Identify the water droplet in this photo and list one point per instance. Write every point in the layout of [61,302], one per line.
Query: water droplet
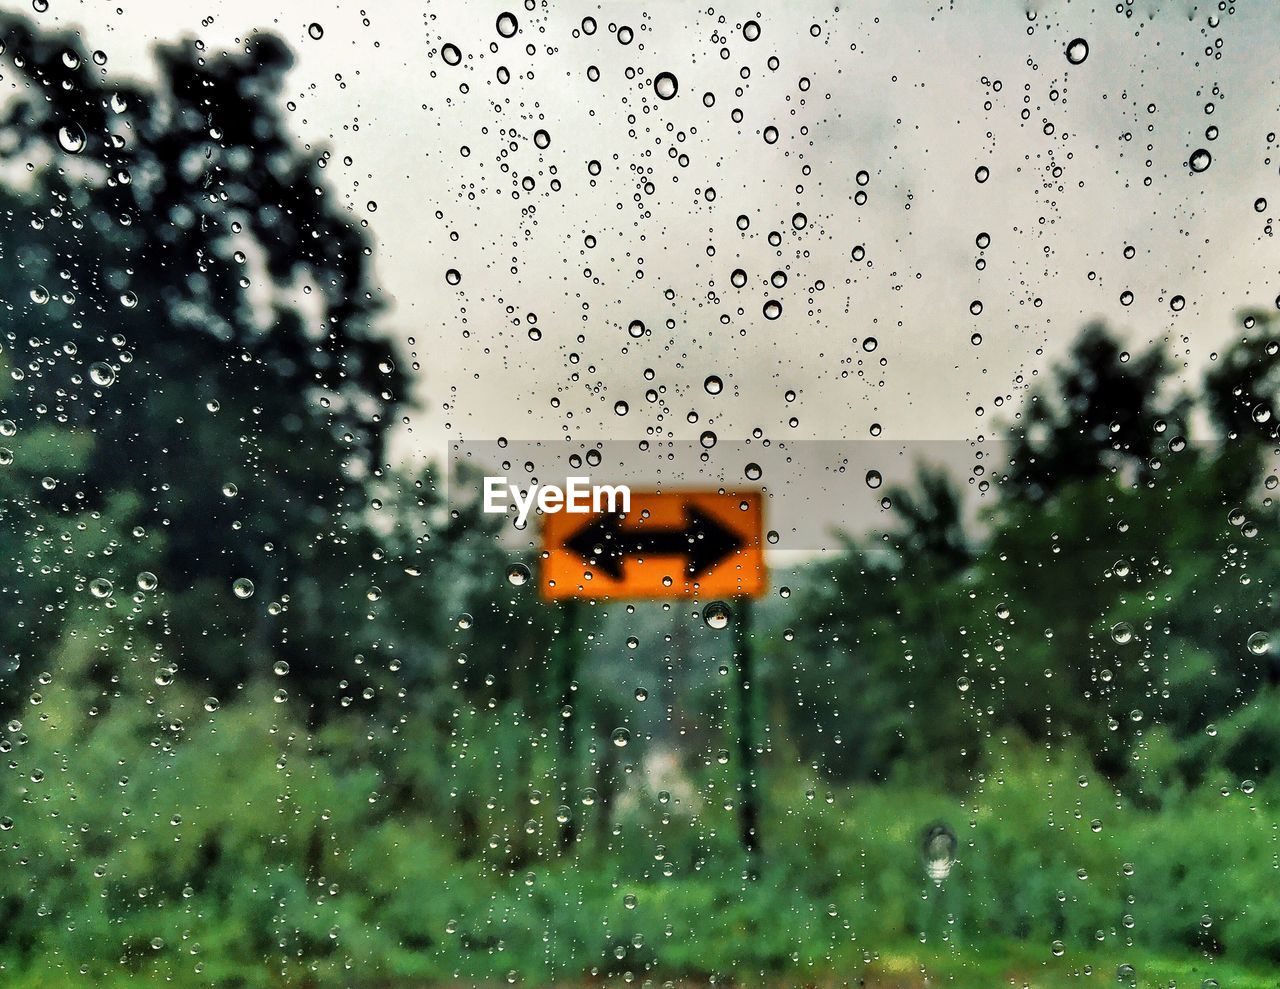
[518,574]
[939,850]
[717,614]
[621,737]
[713,385]
[451,54]
[147,581]
[1122,632]
[1077,51]
[1259,643]
[242,587]
[874,480]
[100,587]
[102,375]
[507,24]
[1200,160]
[211,704]
[71,138]
[751,30]
[772,309]
[315,30]
[666,85]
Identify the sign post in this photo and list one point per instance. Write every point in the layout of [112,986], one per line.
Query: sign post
[744,652]
[671,544]
[564,660]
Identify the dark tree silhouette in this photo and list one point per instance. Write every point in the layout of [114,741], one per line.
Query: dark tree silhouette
[931,537]
[1242,388]
[186,289]
[1099,416]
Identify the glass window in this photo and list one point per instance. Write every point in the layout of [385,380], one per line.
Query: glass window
[577,493]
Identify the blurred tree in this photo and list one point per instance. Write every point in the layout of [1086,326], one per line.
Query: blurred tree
[876,636]
[931,535]
[1241,391]
[1102,414]
[194,295]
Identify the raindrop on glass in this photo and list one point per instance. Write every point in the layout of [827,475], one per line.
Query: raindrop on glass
[507,24]
[938,849]
[71,138]
[716,615]
[665,85]
[1077,51]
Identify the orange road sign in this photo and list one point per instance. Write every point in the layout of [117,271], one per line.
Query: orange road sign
[671,544]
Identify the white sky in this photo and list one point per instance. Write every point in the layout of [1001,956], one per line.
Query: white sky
[906,91]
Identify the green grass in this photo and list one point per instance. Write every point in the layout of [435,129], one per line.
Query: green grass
[1019,965]
[999,963]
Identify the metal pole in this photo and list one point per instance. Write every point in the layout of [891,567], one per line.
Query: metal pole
[565,656]
[749,803]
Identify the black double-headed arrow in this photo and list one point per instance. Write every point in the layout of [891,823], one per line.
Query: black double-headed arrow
[604,544]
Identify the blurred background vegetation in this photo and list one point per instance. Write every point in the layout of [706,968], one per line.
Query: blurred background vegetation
[274,714]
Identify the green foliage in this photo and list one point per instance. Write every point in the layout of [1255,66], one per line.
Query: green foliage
[340,780]
[194,299]
[225,848]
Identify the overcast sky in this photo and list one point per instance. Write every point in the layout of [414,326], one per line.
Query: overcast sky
[1084,160]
